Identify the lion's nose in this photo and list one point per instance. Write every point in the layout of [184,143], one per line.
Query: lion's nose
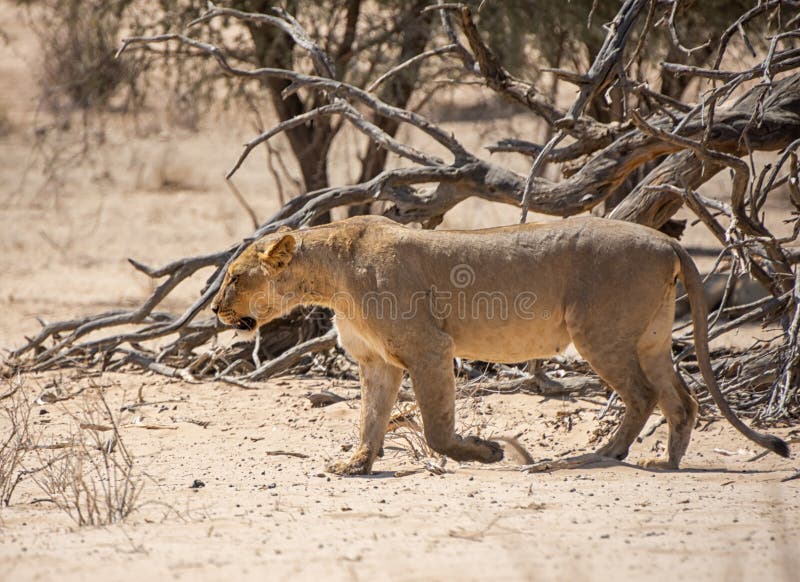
[215,309]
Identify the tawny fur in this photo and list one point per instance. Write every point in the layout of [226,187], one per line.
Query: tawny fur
[606,286]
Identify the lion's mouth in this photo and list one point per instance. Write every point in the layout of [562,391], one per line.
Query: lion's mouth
[246,324]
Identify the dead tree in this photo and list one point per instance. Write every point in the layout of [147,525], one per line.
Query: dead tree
[754,108]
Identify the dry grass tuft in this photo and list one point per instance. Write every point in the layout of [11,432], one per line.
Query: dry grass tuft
[406,432]
[92,477]
[16,411]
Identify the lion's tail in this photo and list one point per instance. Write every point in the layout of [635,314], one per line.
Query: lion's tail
[694,290]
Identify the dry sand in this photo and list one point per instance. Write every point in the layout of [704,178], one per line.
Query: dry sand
[159,195]
[278,517]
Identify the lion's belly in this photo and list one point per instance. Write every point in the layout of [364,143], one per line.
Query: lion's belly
[510,341]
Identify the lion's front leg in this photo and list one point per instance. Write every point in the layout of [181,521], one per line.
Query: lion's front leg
[379,385]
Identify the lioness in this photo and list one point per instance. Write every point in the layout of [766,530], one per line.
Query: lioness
[407,299]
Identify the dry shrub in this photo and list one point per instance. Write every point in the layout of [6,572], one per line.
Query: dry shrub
[406,432]
[78,40]
[93,478]
[15,438]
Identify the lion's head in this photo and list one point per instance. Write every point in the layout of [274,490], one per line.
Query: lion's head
[252,292]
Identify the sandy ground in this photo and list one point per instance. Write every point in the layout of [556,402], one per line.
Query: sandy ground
[158,195]
[281,517]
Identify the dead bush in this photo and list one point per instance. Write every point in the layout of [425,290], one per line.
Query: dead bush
[78,41]
[92,477]
[15,438]
[406,433]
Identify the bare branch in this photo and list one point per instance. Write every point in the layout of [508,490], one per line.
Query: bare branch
[495,76]
[608,59]
[743,19]
[299,80]
[290,357]
[283,20]
[674,33]
[434,52]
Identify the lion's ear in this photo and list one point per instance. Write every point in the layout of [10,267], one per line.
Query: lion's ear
[278,254]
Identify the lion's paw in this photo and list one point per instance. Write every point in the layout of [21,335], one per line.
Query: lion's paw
[358,464]
[487,451]
[657,463]
[345,468]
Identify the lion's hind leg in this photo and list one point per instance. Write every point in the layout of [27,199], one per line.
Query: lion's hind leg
[619,366]
[639,396]
[608,337]
[679,408]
